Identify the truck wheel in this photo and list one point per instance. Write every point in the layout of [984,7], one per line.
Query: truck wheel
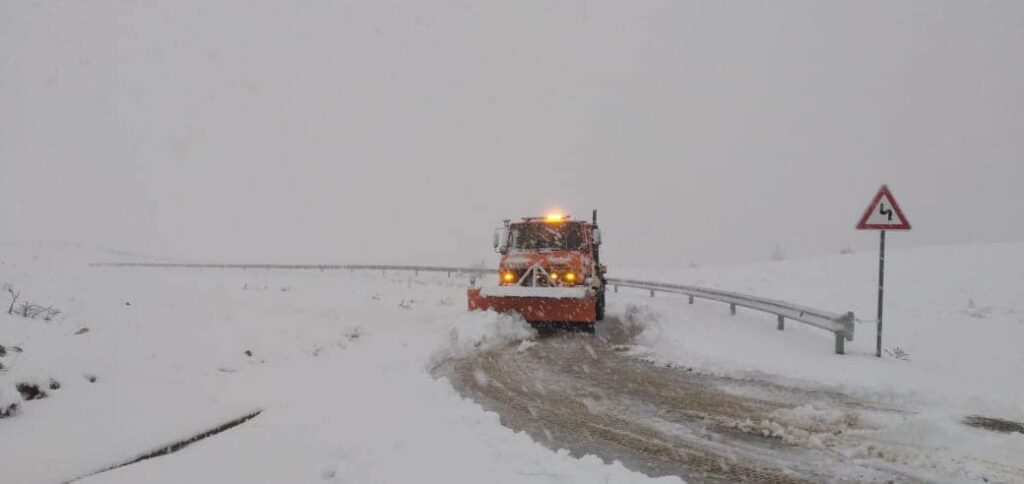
[599,310]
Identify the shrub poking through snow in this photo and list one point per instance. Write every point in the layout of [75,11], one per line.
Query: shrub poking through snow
[35,391]
[14,297]
[898,353]
[27,309]
[34,311]
[30,391]
[354,333]
[994,424]
[7,408]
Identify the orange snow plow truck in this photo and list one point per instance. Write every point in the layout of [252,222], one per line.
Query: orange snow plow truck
[550,272]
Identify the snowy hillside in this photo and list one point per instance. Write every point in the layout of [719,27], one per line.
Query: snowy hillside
[958,313]
[340,366]
[337,362]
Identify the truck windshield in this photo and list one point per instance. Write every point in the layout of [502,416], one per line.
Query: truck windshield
[536,236]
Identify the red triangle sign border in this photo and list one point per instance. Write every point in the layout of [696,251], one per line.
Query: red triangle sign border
[883,192]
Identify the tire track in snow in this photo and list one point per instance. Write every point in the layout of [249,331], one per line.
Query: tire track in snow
[577,392]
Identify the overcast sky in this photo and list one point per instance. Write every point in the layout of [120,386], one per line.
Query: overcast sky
[373,131]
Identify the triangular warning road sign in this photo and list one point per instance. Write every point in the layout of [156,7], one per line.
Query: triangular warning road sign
[883,213]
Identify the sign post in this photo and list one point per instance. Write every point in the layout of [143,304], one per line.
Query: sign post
[882,214]
[881,291]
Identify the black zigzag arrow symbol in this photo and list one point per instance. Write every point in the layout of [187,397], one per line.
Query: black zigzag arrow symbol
[884,211]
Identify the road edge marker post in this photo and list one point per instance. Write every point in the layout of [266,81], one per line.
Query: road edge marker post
[882,214]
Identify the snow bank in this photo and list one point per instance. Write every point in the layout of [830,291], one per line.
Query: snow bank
[338,362]
[958,313]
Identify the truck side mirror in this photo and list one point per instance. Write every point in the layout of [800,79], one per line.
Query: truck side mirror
[597,236]
[500,236]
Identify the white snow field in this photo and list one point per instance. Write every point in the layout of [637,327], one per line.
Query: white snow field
[339,363]
[957,311]
[340,367]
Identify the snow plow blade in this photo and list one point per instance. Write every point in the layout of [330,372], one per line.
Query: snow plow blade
[538,304]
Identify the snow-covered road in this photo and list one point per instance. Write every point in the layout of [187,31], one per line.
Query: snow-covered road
[587,394]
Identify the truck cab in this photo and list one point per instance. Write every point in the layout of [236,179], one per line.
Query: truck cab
[564,249]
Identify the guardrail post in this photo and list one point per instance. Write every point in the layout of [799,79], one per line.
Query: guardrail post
[691,298]
[383,272]
[840,344]
[449,274]
[652,292]
[782,323]
[732,309]
[415,272]
[616,289]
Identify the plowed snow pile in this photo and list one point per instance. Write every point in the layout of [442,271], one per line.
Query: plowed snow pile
[338,362]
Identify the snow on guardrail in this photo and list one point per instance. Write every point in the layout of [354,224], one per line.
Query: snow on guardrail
[322,267]
[840,324]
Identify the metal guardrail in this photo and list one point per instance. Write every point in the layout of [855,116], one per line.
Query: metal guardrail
[840,324]
[416,269]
